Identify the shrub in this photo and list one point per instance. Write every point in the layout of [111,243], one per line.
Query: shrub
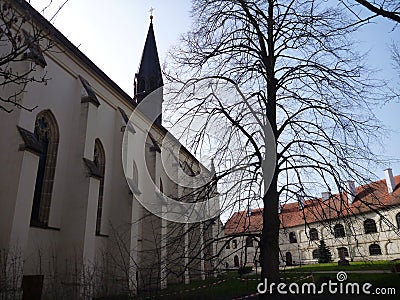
[324,254]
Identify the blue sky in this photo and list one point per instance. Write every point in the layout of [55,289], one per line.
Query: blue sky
[112,35]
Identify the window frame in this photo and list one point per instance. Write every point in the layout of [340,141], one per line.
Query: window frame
[339,231]
[398,220]
[345,250]
[234,244]
[292,237]
[314,236]
[249,242]
[46,132]
[99,159]
[370,226]
[374,247]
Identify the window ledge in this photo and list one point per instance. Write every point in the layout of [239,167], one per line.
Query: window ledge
[43,226]
[102,235]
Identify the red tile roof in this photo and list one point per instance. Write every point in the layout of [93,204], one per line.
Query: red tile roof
[369,197]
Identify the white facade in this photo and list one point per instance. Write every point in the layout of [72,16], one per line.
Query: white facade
[356,241]
[63,252]
[368,232]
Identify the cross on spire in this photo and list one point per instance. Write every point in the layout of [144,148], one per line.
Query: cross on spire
[151,13]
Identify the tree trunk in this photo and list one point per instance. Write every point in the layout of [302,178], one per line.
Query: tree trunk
[269,252]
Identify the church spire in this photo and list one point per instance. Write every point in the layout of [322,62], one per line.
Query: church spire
[149,77]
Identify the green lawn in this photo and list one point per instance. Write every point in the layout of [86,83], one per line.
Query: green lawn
[377,280]
[354,266]
[230,286]
[234,287]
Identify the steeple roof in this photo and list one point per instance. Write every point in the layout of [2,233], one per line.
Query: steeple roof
[149,79]
[149,68]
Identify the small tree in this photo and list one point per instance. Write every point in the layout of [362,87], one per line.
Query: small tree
[324,254]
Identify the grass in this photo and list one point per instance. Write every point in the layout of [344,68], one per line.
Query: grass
[233,287]
[377,280]
[354,266]
[230,288]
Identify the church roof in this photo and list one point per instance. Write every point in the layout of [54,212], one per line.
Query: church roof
[150,63]
[370,197]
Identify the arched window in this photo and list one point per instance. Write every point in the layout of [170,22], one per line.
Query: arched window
[398,220]
[343,252]
[315,254]
[370,226]
[236,261]
[99,159]
[375,249]
[338,231]
[289,261]
[46,131]
[313,234]
[292,237]
[249,241]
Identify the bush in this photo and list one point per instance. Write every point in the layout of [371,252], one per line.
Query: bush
[324,254]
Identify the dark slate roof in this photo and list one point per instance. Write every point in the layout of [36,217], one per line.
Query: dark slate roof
[150,63]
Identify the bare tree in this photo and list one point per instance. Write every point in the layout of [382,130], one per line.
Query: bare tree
[389,9]
[23,45]
[396,57]
[286,67]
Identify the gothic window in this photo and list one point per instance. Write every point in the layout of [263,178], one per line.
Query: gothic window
[343,252]
[315,254]
[99,160]
[292,237]
[338,231]
[370,226]
[249,241]
[228,245]
[375,249]
[398,220]
[46,131]
[313,234]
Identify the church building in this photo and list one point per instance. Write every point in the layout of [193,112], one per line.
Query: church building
[72,223]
